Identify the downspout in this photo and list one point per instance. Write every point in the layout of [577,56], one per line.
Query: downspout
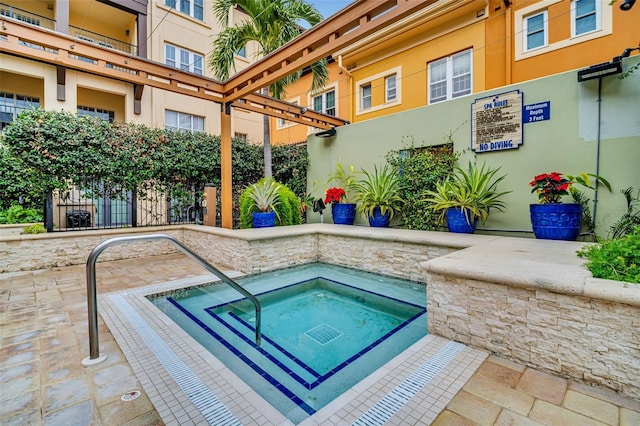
[349,88]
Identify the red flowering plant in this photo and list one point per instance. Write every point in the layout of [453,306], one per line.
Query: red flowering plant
[334,195]
[551,186]
[342,181]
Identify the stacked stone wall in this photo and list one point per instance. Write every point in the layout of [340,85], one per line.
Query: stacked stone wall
[584,338]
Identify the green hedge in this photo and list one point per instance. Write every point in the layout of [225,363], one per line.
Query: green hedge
[41,151]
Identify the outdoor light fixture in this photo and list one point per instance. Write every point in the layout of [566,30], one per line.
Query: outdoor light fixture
[303,110]
[600,70]
[627,4]
[327,133]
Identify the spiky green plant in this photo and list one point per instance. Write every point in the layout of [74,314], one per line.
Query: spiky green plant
[265,195]
[378,189]
[473,190]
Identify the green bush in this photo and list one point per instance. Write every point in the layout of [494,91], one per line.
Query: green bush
[36,228]
[420,169]
[287,210]
[19,214]
[615,259]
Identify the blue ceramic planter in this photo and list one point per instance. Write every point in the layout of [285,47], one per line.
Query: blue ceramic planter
[343,213]
[264,219]
[556,221]
[378,219]
[457,221]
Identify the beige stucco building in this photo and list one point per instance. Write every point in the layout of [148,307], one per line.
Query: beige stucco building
[179,36]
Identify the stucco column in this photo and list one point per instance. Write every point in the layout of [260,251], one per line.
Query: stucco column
[225,159]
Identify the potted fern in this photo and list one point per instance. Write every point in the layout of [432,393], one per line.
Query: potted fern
[377,195]
[467,197]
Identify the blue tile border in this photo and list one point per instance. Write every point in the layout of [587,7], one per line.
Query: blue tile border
[259,370]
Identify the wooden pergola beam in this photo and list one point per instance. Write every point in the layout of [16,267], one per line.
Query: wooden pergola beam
[357,21]
[69,53]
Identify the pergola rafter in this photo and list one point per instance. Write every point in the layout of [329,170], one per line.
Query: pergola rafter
[357,21]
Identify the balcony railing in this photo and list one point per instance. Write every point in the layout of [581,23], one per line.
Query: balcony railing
[102,40]
[9,11]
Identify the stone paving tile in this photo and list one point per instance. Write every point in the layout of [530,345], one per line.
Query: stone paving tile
[449,418]
[514,400]
[591,407]
[477,409]
[550,414]
[543,385]
[509,418]
[502,371]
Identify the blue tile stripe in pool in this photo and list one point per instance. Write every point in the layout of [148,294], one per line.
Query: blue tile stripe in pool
[392,402]
[293,397]
[308,385]
[214,411]
[320,378]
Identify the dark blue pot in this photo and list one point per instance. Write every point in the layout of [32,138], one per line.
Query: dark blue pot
[264,219]
[556,221]
[343,213]
[378,219]
[457,221]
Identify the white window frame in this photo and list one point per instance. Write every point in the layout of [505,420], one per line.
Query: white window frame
[188,7]
[366,98]
[605,28]
[449,77]
[323,100]
[574,17]
[177,60]
[526,33]
[380,80]
[390,89]
[180,117]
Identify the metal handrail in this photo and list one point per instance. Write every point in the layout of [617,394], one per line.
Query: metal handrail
[92,305]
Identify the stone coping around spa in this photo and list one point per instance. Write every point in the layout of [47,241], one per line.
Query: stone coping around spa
[535,264]
[436,238]
[446,239]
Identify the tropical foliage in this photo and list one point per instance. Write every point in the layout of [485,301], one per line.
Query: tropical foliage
[631,218]
[269,195]
[379,189]
[270,24]
[473,190]
[419,170]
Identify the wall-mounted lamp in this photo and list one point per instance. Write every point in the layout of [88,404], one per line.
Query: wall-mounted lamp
[627,4]
[303,110]
[606,68]
[327,133]
[600,70]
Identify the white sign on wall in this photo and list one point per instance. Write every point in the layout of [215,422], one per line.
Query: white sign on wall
[496,122]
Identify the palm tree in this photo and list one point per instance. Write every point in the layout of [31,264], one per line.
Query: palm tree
[271,24]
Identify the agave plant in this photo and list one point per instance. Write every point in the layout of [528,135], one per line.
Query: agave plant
[474,191]
[265,195]
[378,189]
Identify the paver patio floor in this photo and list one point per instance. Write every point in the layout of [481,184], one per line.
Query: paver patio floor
[44,337]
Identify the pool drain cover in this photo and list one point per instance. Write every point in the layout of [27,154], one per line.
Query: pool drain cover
[323,334]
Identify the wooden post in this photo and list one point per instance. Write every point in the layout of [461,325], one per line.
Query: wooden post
[225,159]
[210,206]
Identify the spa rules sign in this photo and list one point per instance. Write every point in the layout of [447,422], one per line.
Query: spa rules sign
[496,122]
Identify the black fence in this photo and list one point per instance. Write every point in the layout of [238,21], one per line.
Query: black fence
[103,206]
